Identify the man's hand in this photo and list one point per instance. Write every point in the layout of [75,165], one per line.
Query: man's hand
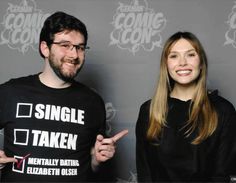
[4,159]
[104,148]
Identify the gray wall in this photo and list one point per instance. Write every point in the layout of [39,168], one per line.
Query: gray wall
[119,65]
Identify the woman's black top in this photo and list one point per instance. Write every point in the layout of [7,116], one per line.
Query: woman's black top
[173,158]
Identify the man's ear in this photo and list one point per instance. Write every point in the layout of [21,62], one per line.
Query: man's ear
[44,49]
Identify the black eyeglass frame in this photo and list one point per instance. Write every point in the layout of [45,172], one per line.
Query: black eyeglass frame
[78,47]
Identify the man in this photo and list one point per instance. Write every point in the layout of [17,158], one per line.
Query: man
[53,125]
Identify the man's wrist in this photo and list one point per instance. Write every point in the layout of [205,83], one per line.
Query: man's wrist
[94,163]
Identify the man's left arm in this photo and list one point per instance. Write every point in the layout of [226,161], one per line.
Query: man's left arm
[104,149]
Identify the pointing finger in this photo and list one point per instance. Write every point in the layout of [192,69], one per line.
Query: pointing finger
[119,135]
[8,160]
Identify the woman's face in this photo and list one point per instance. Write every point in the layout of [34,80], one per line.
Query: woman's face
[183,63]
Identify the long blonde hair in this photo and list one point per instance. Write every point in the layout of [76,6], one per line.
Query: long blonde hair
[202,115]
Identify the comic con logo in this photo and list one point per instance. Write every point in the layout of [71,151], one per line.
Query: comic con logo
[137,26]
[21,26]
[230,34]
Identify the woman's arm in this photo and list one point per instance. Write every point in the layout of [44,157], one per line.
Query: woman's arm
[143,169]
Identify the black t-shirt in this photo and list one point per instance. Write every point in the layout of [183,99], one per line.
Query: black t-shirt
[174,159]
[50,131]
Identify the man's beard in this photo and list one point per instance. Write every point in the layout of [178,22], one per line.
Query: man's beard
[58,70]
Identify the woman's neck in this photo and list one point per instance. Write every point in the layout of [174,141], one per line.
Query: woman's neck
[184,93]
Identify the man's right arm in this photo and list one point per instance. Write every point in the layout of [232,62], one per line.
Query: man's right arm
[4,159]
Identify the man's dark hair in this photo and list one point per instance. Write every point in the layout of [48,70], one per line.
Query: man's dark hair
[59,22]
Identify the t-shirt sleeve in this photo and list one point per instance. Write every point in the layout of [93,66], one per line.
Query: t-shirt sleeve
[2,105]
[102,116]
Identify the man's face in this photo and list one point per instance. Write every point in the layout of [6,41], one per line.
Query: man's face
[65,59]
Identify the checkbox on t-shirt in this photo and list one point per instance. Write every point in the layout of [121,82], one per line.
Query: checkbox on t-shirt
[20,165]
[24,110]
[21,136]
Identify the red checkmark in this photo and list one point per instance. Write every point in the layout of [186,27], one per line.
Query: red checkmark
[18,164]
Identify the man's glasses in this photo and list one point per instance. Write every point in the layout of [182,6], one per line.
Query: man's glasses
[66,45]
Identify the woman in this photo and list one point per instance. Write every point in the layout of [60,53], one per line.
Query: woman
[185,133]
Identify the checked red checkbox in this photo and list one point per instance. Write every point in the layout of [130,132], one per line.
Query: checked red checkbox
[19,163]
